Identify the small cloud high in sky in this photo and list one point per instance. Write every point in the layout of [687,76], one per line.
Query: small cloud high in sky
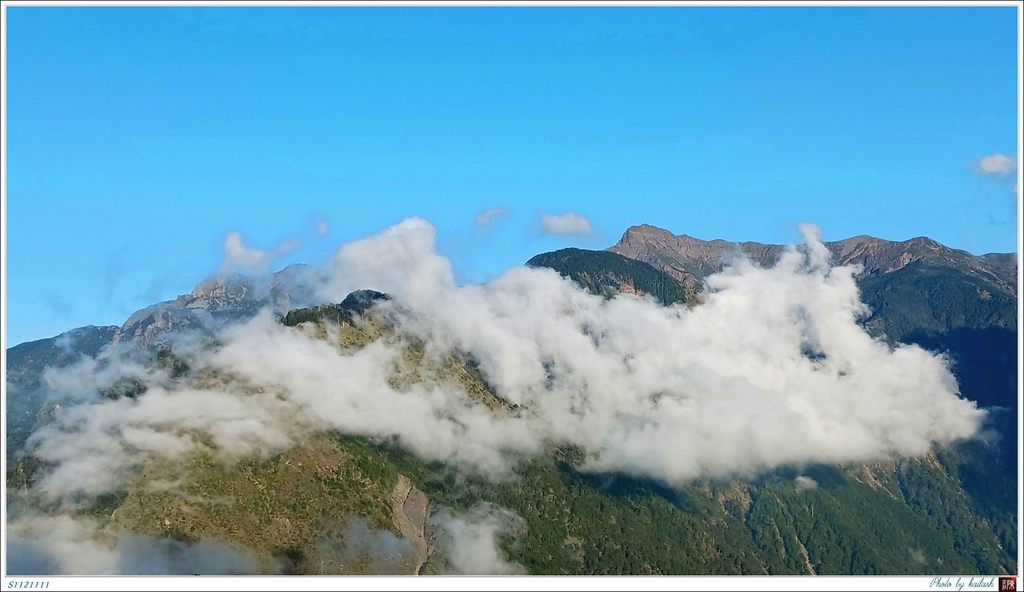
[995,164]
[241,258]
[187,123]
[567,224]
[487,216]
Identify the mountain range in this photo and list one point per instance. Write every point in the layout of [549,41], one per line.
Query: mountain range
[340,499]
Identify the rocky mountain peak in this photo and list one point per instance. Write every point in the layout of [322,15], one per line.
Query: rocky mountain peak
[221,285]
[220,292]
[218,299]
[690,259]
[645,234]
[645,231]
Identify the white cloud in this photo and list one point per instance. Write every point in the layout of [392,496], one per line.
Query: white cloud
[487,216]
[321,226]
[995,164]
[380,552]
[401,261]
[804,483]
[96,447]
[287,246]
[569,223]
[470,541]
[239,257]
[725,386]
[62,545]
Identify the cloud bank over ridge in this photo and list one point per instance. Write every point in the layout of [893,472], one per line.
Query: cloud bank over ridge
[772,370]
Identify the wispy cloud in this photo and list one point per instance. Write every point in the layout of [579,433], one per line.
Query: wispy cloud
[470,541]
[569,223]
[995,164]
[239,257]
[487,216]
[45,544]
[60,307]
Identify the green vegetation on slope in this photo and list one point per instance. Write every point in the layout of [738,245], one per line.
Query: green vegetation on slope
[922,299]
[577,523]
[909,517]
[606,274]
[278,508]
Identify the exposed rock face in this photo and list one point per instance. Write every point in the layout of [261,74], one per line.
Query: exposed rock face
[410,510]
[218,300]
[690,259]
[685,258]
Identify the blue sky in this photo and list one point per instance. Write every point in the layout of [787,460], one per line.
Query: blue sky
[138,138]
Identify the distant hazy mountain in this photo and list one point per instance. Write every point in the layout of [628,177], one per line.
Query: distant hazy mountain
[336,503]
